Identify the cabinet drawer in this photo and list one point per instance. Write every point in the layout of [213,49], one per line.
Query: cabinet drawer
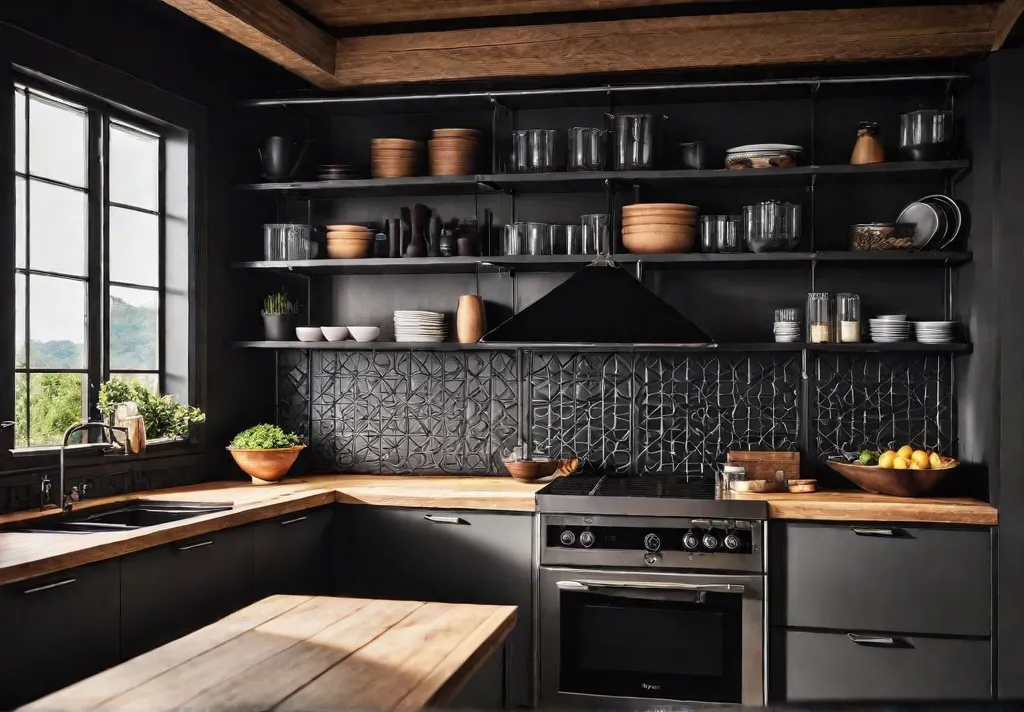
[831,666]
[172,590]
[57,630]
[291,553]
[886,578]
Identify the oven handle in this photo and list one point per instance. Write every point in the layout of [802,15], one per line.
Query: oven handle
[690,592]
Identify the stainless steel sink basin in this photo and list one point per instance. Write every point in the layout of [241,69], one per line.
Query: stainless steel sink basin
[126,517]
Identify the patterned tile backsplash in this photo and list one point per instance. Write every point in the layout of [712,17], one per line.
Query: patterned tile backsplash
[645,412]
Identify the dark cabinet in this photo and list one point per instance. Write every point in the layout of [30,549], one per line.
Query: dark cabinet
[291,553]
[171,590]
[57,630]
[453,556]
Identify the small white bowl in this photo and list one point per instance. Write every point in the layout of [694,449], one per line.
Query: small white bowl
[364,333]
[335,333]
[309,333]
[892,317]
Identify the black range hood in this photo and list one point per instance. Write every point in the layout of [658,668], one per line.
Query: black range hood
[600,304]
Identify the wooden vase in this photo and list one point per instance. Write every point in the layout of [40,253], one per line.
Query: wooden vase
[471,321]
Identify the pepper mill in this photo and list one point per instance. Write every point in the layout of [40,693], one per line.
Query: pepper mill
[868,148]
[470,321]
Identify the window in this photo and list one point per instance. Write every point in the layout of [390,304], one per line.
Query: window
[88,259]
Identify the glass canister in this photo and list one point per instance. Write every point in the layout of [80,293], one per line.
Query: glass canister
[595,233]
[538,238]
[819,318]
[847,329]
[513,239]
[587,149]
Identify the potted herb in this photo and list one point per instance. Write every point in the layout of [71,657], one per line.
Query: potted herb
[265,452]
[162,416]
[279,317]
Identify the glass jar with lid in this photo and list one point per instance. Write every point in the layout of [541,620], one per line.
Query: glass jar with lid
[819,318]
[847,329]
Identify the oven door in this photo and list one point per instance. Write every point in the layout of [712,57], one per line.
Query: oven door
[640,637]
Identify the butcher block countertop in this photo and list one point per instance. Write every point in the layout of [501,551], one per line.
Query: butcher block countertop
[24,556]
[305,653]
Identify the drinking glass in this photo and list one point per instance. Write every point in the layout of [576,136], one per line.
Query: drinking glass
[538,238]
[595,233]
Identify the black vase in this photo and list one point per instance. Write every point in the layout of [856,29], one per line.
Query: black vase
[279,327]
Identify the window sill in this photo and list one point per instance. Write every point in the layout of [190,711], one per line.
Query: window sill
[98,448]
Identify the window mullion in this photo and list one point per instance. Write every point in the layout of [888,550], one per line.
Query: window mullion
[161,363]
[97,252]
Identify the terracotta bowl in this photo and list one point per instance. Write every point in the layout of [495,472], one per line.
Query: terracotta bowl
[266,466]
[349,249]
[657,243]
[531,470]
[898,483]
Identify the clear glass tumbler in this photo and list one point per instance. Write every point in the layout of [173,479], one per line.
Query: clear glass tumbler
[538,238]
[819,318]
[847,328]
[595,233]
[513,239]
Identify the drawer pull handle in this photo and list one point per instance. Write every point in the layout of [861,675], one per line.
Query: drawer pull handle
[880,641]
[286,522]
[47,587]
[439,519]
[877,531]
[197,545]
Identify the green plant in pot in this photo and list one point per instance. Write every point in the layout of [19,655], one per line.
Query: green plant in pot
[265,452]
[162,415]
[279,315]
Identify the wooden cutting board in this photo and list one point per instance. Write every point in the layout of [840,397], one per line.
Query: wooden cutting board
[763,464]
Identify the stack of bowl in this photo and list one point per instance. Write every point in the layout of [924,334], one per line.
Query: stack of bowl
[393,157]
[658,228]
[453,151]
[345,242]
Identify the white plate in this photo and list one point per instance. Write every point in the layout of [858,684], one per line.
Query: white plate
[419,339]
[936,324]
[751,148]
[886,340]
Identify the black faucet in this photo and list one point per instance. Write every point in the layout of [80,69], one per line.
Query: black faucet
[68,500]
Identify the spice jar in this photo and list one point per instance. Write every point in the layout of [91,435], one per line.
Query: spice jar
[819,317]
[847,318]
[867,149]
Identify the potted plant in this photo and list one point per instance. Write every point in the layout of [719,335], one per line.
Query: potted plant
[279,317]
[265,452]
[162,416]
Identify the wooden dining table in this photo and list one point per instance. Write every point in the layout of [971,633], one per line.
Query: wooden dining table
[305,653]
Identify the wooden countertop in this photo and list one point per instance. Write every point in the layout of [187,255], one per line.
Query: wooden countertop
[305,653]
[24,556]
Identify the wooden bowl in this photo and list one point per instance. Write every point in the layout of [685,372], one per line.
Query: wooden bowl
[658,227]
[531,470]
[347,228]
[266,466]
[664,218]
[754,486]
[400,143]
[657,243]
[644,207]
[473,134]
[349,249]
[898,483]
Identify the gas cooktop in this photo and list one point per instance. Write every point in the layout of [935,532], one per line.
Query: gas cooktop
[647,495]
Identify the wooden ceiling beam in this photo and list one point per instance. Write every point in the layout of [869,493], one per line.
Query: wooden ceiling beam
[274,31]
[356,13]
[1009,12]
[690,42]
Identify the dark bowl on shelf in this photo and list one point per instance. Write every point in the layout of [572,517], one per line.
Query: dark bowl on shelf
[926,135]
[898,483]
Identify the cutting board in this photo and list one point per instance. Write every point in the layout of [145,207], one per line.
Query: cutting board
[763,464]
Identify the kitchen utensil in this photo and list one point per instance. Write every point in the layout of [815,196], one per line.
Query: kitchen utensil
[364,333]
[538,238]
[309,333]
[266,466]
[694,155]
[771,226]
[926,135]
[954,220]
[882,236]
[891,317]
[888,331]
[595,229]
[929,222]
[434,236]
[867,149]
[470,319]
[763,155]
[847,329]
[819,317]
[764,464]
[635,140]
[453,151]
[754,486]
[802,486]
[935,332]
[533,150]
[787,327]
[349,248]
[531,470]
[287,241]
[513,239]
[467,246]
[394,157]
[417,246]
[721,233]
[658,243]
[279,159]
[574,241]
[520,151]
[335,333]
[394,237]
[898,483]
[448,244]
[588,149]
[419,326]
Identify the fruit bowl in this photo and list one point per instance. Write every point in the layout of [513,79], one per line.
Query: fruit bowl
[898,483]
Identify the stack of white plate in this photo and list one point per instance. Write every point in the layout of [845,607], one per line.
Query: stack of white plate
[935,332]
[889,330]
[787,332]
[415,326]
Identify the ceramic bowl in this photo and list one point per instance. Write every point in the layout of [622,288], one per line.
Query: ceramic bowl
[335,333]
[364,333]
[309,333]
[892,317]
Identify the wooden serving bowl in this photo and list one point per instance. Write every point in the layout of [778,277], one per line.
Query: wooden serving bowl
[898,483]
[399,143]
[457,133]
[266,466]
[344,249]
[666,219]
[657,243]
[658,227]
[532,470]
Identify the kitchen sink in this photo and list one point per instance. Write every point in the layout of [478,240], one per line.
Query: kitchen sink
[134,515]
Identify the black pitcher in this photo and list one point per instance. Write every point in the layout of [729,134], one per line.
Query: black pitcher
[277,157]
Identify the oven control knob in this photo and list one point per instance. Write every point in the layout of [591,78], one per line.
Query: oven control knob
[652,542]
[731,542]
[690,541]
[710,541]
[587,539]
[567,538]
